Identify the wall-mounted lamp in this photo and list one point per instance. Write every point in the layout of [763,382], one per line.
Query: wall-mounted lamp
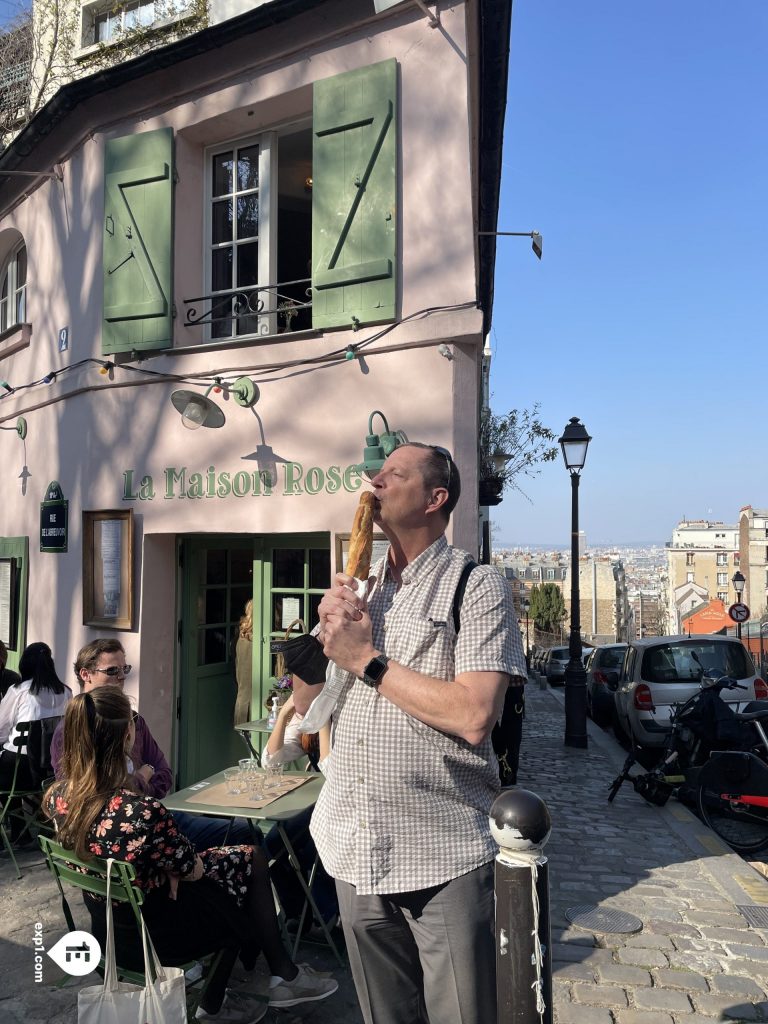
[537,242]
[20,428]
[379,446]
[201,411]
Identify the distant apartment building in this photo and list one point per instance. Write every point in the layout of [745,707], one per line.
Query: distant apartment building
[605,612]
[753,549]
[648,614]
[701,560]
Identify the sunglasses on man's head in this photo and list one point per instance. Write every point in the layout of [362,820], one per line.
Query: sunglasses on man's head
[448,458]
[115,671]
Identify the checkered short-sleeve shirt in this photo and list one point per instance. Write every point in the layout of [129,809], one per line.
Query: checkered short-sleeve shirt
[405,806]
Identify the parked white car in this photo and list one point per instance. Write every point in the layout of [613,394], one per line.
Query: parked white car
[661,671]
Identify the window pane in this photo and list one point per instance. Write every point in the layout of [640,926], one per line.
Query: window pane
[314,615]
[216,566]
[319,569]
[248,168]
[247,264]
[3,314]
[288,567]
[215,605]
[213,646]
[147,13]
[221,221]
[21,306]
[131,16]
[240,597]
[221,270]
[222,174]
[242,566]
[247,216]
[21,267]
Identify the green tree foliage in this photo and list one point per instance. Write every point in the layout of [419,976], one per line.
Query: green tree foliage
[547,607]
[521,438]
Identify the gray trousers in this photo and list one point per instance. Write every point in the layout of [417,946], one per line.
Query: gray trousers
[424,957]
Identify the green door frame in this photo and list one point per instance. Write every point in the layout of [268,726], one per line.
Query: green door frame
[270,601]
[285,567]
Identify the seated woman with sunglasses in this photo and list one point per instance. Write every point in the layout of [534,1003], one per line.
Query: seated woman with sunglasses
[230,905]
[102,662]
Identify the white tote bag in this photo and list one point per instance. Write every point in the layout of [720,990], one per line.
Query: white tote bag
[117,1002]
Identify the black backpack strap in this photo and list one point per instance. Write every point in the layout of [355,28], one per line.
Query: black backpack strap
[458,597]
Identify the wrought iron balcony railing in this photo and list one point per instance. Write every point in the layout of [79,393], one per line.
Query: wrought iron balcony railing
[261,310]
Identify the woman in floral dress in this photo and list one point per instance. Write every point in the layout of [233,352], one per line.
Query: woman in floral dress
[230,907]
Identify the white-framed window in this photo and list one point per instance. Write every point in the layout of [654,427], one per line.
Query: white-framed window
[105,23]
[689,558]
[722,595]
[112,23]
[13,290]
[689,577]
[258,225]
[536,574]
[722,579]
[722,559]
[550,574]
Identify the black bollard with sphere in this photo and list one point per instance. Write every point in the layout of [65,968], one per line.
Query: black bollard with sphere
[521,825]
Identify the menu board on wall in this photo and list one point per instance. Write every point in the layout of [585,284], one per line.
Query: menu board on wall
[8,602]
[108,568]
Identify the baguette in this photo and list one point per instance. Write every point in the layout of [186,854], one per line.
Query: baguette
[361,539]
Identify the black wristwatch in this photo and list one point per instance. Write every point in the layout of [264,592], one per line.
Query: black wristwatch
[375,669]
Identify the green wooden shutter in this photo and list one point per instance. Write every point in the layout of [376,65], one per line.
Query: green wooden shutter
[138,242]
[354,197]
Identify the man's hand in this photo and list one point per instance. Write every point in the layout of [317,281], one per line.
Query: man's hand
[346,626]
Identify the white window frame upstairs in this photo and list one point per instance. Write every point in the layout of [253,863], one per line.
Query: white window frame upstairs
[266,237]
[13,303]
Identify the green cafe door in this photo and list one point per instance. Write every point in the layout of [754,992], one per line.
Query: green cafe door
[285,575]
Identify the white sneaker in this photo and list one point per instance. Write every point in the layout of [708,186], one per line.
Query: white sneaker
[308,986]
[235,1009]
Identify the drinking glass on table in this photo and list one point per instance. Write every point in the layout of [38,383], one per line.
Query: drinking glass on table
[233,779]
[274,776]
[256,784]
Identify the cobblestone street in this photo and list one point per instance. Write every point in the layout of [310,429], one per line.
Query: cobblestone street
[696,958]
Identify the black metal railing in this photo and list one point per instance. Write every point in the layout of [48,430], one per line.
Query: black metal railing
[263,309]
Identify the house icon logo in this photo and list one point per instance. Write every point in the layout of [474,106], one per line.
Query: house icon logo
[76,953]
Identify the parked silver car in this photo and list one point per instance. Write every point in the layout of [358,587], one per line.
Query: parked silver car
[601,660]
[554,666]
[664,670]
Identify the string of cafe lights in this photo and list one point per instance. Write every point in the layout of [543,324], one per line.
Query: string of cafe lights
[269,373]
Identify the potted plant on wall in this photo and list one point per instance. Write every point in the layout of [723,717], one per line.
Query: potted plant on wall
[509,445]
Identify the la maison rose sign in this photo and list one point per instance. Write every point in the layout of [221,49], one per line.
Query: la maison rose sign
[287,478]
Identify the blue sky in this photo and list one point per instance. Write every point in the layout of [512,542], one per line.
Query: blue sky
[636,141]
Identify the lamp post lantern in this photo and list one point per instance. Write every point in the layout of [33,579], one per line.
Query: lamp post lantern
[574,444]
[738,580]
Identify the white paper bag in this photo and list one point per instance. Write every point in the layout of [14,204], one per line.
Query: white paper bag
[160,1002]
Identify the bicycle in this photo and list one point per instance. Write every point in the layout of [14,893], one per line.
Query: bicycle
[732,797]
[696,726]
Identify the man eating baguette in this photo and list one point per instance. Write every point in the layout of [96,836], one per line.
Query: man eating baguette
[402,822]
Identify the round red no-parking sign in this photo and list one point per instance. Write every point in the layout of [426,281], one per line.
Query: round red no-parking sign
[739,612]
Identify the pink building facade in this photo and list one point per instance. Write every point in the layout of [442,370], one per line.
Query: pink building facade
[280,215]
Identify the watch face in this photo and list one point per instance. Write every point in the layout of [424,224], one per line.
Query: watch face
[375,669]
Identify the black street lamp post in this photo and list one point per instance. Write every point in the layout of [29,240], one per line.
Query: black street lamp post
[526,608]
[738,580]
[574,443]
